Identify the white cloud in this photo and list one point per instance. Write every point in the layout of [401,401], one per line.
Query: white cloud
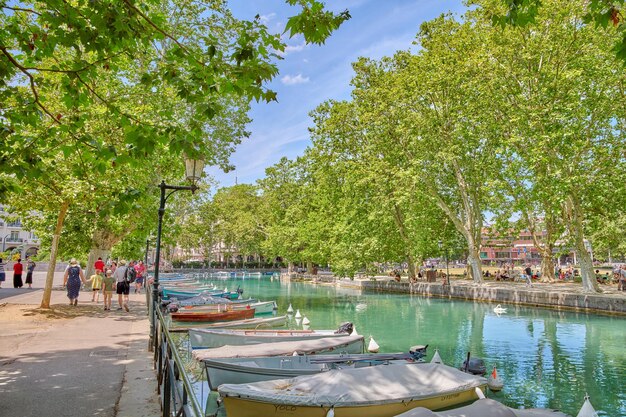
[294,79]
[295,48]
[266,18]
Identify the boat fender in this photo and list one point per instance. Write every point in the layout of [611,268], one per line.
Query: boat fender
[306,321]
[587,409]
[479,393]
[298,315]
[354,333]
[295,353]
[373,346]
[494,382]
[331,412]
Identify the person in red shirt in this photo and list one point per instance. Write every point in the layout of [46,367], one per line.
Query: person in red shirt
[17,274]
[99,265]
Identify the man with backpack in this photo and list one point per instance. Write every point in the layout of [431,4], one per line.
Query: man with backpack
[122,282]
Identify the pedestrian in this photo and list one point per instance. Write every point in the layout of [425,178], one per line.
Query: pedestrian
[122,285]
[17,274]
[108,288]
[2,273]
[621,284]
[99,264]
[529,276]
[140,268]
[113,267]
[73,279]
[96,285]
[30,268]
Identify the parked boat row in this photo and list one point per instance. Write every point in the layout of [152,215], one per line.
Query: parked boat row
[324,373]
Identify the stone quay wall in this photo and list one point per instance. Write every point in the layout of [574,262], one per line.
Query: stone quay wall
[546,295]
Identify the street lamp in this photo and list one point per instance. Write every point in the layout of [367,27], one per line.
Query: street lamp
[193,172]
[447,280]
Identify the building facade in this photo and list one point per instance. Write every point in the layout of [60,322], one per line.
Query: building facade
[14,238]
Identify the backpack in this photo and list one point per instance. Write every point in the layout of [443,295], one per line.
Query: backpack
[130,274]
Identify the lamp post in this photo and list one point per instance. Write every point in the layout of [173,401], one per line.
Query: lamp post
[447,280]
[193,172]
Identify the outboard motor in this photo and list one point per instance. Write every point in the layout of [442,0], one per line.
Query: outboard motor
[418,352]
[346,327]
[172,308]
[239,290]
[476,366]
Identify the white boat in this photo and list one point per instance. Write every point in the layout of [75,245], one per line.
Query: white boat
[376,391]
[246,370]
[346,344]
[255,323]
[484,408]
[212,338]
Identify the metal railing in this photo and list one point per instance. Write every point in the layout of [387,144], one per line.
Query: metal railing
[173,384]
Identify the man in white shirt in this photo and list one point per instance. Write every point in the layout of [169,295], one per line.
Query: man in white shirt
[122,286]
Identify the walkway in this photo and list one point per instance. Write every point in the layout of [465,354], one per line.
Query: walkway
[74,361]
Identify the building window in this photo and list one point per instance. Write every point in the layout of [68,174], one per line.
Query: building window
[503,255]
[16,223]
[483,255]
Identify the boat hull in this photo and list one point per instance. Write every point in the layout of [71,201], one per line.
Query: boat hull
[214,316]
[208,338]
[253,323]
[347,345]
[241,407]
[263,307]
[248,370]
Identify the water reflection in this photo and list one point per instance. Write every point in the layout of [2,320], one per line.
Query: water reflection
[545,358]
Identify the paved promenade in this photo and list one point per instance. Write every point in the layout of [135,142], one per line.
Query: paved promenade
[73,361]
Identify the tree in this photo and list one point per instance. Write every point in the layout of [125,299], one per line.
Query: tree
[157,73]
[564,132]
[601,13]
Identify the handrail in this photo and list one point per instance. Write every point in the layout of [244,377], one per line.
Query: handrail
[172,381]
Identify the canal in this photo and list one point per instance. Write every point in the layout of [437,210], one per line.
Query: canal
[546,358]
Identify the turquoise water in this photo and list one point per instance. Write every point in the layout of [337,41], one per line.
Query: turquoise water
[546,358]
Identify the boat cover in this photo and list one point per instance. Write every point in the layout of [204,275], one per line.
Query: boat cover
[359,386]
[483,408]
[281,348]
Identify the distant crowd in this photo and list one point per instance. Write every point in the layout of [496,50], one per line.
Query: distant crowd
[109,278]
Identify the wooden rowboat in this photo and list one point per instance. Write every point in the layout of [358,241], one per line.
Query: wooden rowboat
[209,316]
[254,323]
[261,307]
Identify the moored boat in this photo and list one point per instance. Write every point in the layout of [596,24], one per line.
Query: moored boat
[213,316]
[346,344]
[377,391]
[261,307]
[484,408]
[246,370]
[253,323]
[212,338]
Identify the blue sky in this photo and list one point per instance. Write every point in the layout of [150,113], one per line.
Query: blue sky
[311,74]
